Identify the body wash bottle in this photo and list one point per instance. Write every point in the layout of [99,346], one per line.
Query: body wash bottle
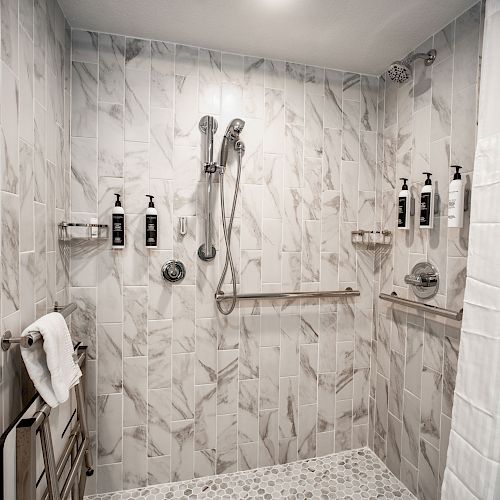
[151,224]
[456,200]
[404,206]
[427,203]
[118,224]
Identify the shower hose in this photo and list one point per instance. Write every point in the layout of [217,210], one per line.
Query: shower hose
[227,229]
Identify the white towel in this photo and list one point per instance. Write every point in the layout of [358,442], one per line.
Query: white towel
[50,362]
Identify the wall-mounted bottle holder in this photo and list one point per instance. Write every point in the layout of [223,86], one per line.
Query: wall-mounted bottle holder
[82,231]
[371,239]
[424,280]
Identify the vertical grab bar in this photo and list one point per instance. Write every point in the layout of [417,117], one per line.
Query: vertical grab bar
[208,126]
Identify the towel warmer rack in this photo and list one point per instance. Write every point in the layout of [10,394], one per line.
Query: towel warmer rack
[76,450]
[32,337]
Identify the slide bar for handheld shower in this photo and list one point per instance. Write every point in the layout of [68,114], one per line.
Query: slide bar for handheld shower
[208,125]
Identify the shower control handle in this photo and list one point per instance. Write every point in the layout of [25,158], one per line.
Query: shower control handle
[422,279]
[173,271]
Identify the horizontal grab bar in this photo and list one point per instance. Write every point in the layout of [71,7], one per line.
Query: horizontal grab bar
[348,292]
[447,313]
[33,337]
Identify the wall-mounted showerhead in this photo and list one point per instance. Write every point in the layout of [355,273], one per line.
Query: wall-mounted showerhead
[400,71]
[232,134]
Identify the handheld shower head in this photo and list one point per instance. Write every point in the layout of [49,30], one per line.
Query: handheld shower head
[232,134]
[400,71]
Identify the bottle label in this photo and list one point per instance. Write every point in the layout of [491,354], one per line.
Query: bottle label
[151,224]
[402,207]
[118,229]
[425,209]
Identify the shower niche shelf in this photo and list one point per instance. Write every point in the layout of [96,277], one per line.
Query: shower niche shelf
[371,239]
[82,231]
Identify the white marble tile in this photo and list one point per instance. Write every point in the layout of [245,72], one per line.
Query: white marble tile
[159,354]
[186,60]
[292,228]
[10,253]
[137,53]
[271,251]
[109,362]
[84,174]
[294,93]
[109,286]
[333,99]
[27,288]
[274,74]
[110,139]
[274,123]
[294,149]
[312,189]
[26,87]
[109,433]
[311,242]
[159,426]
[205,433]
[313,143]
[134,391]
[186,111]
[134,321]
[183,367]
[251,230]
[272,196]
[135,464]
[182,449]
[350,130]
[111,67]
[351,86]
[136,104]
[268,438]
[162,71]
[84,46]
[307,431]
[84,100]
[160,292]
[441,100]
[136,178]
[227,381]
[10,29]
[332,158]
[158,470]
[26,195]
[161,143]
[210,81]
[369,96]
[9,114]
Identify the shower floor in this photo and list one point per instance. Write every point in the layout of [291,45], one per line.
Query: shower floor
[354,475]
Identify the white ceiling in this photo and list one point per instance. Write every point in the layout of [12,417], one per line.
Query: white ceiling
[354,35]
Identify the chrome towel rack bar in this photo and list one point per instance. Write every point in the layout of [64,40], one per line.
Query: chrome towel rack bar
[446,313]
[348,292]
[32,337]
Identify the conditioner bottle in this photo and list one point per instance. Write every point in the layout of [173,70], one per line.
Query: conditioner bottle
[427,203]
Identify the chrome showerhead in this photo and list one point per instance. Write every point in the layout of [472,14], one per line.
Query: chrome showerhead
[400,71]
[232,134]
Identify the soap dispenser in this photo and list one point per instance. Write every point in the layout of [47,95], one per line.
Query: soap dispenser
[151,224]
[456,199]
[118,224]
[427,203]
[404,206]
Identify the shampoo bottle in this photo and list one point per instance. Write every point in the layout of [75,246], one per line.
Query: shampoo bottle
[456,200]
[427,203]
[404,206]
[151,224]
[118,224]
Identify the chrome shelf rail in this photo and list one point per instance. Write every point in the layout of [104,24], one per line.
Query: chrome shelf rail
[32,337]
[348,292]
[439,311]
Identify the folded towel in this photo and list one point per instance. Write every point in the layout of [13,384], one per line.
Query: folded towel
[50,363]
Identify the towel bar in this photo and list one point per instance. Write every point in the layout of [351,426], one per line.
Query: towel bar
[32,337]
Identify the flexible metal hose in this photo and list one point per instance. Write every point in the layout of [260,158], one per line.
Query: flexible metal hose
[228,228]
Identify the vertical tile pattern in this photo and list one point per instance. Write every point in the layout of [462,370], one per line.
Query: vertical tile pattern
[271,383]
[414,359]
[35,174]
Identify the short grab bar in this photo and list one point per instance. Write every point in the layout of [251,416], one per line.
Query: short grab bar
[447,313]
[348,292]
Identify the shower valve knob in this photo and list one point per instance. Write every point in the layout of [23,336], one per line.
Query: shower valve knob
[173,271]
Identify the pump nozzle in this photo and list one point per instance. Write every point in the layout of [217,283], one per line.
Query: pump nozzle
[456,175]
[405,186]
[428,180]
[118,203]
[151,204]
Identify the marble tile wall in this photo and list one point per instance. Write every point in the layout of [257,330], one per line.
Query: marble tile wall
[177,390]
[34,175]
[426,124]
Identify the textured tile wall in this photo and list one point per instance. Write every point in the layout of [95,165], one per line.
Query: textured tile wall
[34,175]
[426,124]
[176,389]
